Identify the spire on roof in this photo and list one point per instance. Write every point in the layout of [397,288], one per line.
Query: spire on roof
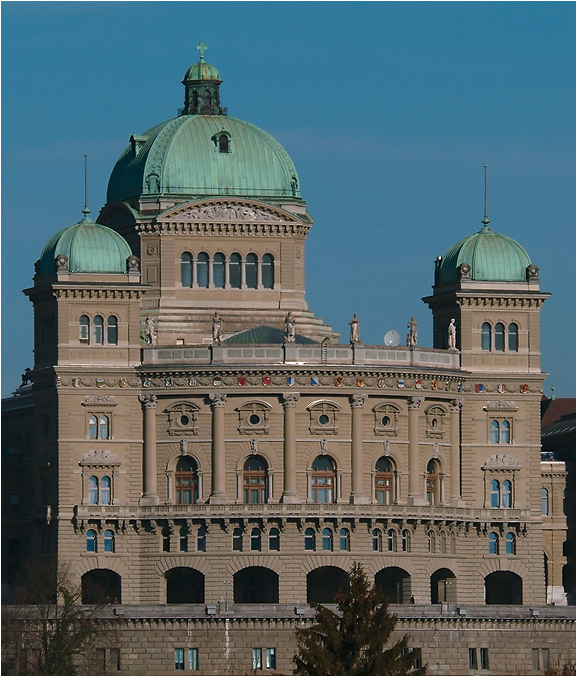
[486,221]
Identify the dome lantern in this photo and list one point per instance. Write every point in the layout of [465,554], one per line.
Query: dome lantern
[202,88]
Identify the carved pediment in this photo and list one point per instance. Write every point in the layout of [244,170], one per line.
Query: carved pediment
[102,400]
[100,457]
[501,462]
[237,211]
[501,405]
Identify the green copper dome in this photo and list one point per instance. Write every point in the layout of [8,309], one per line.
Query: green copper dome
[202,71]
[491,256]
[89,247]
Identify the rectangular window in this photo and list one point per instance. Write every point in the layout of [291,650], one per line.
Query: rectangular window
[179,659]
[484,659]
[193,659]
[271,659]
[545,660]
[100,659]
[535,657]
[472,659]
[257,659]
[115,659]
[418,659]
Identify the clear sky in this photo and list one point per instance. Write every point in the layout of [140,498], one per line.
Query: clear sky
[388,109]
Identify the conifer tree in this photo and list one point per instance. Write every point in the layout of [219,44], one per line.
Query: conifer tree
[352,641]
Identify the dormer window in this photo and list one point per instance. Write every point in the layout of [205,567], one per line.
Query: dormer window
[222,142]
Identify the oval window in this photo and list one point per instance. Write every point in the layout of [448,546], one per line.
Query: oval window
[386,421]
[324,419]
[184,420]
[254,419]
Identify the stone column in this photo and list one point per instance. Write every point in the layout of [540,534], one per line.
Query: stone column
[455,459]
[415,496]
[149,482]
[290,494]
[218,493]
[357,493]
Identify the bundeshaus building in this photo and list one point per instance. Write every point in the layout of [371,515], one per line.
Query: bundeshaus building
[197,447]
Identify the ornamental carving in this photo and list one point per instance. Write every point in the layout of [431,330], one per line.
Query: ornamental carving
[227,211]
[505,405]
[100,457]
[501,462]
[91,400]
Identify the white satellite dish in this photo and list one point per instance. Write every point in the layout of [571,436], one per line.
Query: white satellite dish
[392,338]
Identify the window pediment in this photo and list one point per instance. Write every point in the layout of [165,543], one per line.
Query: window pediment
[100,457]
[501,462]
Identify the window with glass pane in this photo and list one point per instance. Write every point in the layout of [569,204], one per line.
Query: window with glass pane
[93,428]
[484,658]
[84,329]
[486,336]
[250,271]
[544,501]
[499,336]
[344,542]
[432,483]
[506,494]
[93,490]
[391,540]
[223,143]
[271,659]
[257,659]
[201,540]
[179,659]
[322,480]
[513,337]
[493,543]
[112,330]
[165,540]
[405,541]
[377,540]
[234,274]
[218,270]
[186,478]
[183,540]
[103,427]
[432,542]
[108,541]
[255,480]
[494,432]
[327,535]
[105,497]
[274,539]
[255,539]
[495,494]
[186,269]
[98,330]
[309,539]
[510,544]
[237,539]
[473,659]
[202,270]
[91,540]
[505,432]
[384,481]
[193,659]
[267,271]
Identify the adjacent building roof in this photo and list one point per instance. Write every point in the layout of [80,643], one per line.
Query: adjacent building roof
[264,335]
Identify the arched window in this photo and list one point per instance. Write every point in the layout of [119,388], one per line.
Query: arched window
[377,540]
[344,539]
[405,541]
[237,539]
[223,145]
[186,269]
[495,494]
[218,270]
[274,539]
[432,483]
[391,540]
[544,501]
[93,490]
[103,427]
[510,544]
[486,336]
[250,269]
[267,271]
[105,491]
[506,494]
[493,543]
[322,480]
[432,541]
[513,337]
[93,428]
[84,329]
[442,542]
[255,539]
[91,540]
[505,432]
[327,535]
[98,330]
[234,268]
[186,479]
[254,476]
[310,539]
[202,270]
[384,481]
[109,540]
[201,540]
[495,432]
[500,336]
[112,330]
[183,539]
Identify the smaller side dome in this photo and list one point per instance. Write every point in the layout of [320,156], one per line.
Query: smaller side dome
[88,247]
[485,255]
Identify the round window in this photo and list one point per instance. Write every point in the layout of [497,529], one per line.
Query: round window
[434,423]
[324,419]
[184,420]
[254,419]
[386,421]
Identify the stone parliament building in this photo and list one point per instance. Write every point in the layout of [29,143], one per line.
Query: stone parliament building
[206,458]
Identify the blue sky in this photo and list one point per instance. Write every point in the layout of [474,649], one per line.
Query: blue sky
[388,109]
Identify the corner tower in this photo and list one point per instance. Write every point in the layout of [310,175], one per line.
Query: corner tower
[213,205]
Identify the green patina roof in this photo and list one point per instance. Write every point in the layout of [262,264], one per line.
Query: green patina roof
[492,257]
[202,71]
[90,248]
[180,157]
[264,335]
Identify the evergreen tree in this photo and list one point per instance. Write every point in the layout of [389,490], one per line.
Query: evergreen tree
[352,641]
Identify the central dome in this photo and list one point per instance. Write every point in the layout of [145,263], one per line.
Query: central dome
[194,156]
